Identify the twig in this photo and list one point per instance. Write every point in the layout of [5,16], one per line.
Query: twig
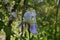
[56,21]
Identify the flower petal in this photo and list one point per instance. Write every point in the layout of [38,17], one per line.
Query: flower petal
[10,18]
[21,24]
[33,28]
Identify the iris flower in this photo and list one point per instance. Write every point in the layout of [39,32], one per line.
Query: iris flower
[30,17]
[13,16]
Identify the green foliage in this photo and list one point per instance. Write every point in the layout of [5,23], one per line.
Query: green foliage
[1,25]
[2,16]
[46,19]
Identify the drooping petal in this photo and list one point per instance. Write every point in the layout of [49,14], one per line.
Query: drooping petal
[10,18]
[33,28]
[21,24]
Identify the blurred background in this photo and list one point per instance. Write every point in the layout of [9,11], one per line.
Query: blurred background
[47,17]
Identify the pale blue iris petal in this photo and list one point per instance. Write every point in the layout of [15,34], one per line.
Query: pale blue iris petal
[14,14]
[30,17]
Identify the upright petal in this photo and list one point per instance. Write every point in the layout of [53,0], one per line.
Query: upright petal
[14,14]
[27,17]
